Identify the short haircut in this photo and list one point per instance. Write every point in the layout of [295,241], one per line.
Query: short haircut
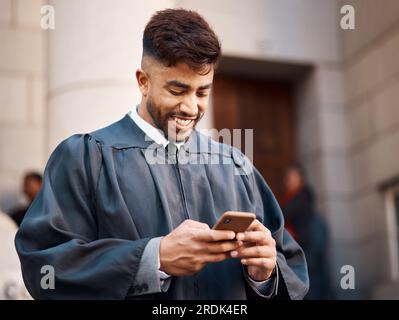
[181,36]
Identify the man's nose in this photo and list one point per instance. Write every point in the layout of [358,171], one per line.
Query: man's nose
[189,106]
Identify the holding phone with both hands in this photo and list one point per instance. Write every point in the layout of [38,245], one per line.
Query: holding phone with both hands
[235,221]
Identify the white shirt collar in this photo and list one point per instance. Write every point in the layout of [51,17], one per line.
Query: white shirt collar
[153,133]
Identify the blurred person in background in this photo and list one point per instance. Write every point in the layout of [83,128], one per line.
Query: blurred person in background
[31,186]
[308,228]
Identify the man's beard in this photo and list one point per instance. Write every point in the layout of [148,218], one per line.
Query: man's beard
[165,122]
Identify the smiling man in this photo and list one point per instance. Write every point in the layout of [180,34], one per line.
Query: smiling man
[174,99]
[114,225]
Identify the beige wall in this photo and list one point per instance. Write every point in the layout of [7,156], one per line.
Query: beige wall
[371,67]
[274,30]
[23,65]
[94,52]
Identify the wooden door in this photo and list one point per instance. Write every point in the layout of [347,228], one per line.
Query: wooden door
[266,107]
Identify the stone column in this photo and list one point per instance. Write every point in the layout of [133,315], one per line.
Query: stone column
[22,95]
[94,52]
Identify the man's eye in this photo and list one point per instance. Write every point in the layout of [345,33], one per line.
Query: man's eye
[202,94]
[176,93]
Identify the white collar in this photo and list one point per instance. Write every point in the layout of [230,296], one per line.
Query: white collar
[153,133]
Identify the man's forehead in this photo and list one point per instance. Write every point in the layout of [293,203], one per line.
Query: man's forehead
[180,72]
[182,75]
[189,84]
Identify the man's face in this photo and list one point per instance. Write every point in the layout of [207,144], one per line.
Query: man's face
[176,98]
[293,180]
[31,187]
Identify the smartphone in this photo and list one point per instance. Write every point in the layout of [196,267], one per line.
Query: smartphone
[235,221]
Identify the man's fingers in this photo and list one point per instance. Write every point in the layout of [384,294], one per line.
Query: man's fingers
[268,263]
[256,232]
[261,237]
[195,224]
[215,235]
[217,257]
[254,252]
[256,225]
[223,246]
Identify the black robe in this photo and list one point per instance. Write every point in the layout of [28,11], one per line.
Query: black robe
[101,202]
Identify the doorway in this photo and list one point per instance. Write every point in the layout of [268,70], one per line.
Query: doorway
[267,107]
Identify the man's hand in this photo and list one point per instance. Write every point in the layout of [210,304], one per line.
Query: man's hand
[188,248]
[258,252]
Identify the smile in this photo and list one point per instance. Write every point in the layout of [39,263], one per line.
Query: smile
[182,123]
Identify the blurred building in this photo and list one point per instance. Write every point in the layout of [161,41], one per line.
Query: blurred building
[313,93]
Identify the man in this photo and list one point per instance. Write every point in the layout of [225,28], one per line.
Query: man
[31,187]
[309,229]
[126,211]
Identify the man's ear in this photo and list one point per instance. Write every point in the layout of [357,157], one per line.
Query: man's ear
[142,81]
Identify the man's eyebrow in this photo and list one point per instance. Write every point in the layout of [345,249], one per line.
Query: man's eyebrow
[207,86]
[176,83]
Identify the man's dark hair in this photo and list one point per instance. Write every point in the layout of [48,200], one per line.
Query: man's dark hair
[34,175]
[179,35]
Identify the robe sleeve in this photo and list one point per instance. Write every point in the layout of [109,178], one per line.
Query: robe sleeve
[293,274]
[60,232]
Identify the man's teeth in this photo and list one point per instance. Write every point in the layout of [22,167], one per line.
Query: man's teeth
[183,122]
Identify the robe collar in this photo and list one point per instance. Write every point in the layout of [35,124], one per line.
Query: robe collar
[125,133]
